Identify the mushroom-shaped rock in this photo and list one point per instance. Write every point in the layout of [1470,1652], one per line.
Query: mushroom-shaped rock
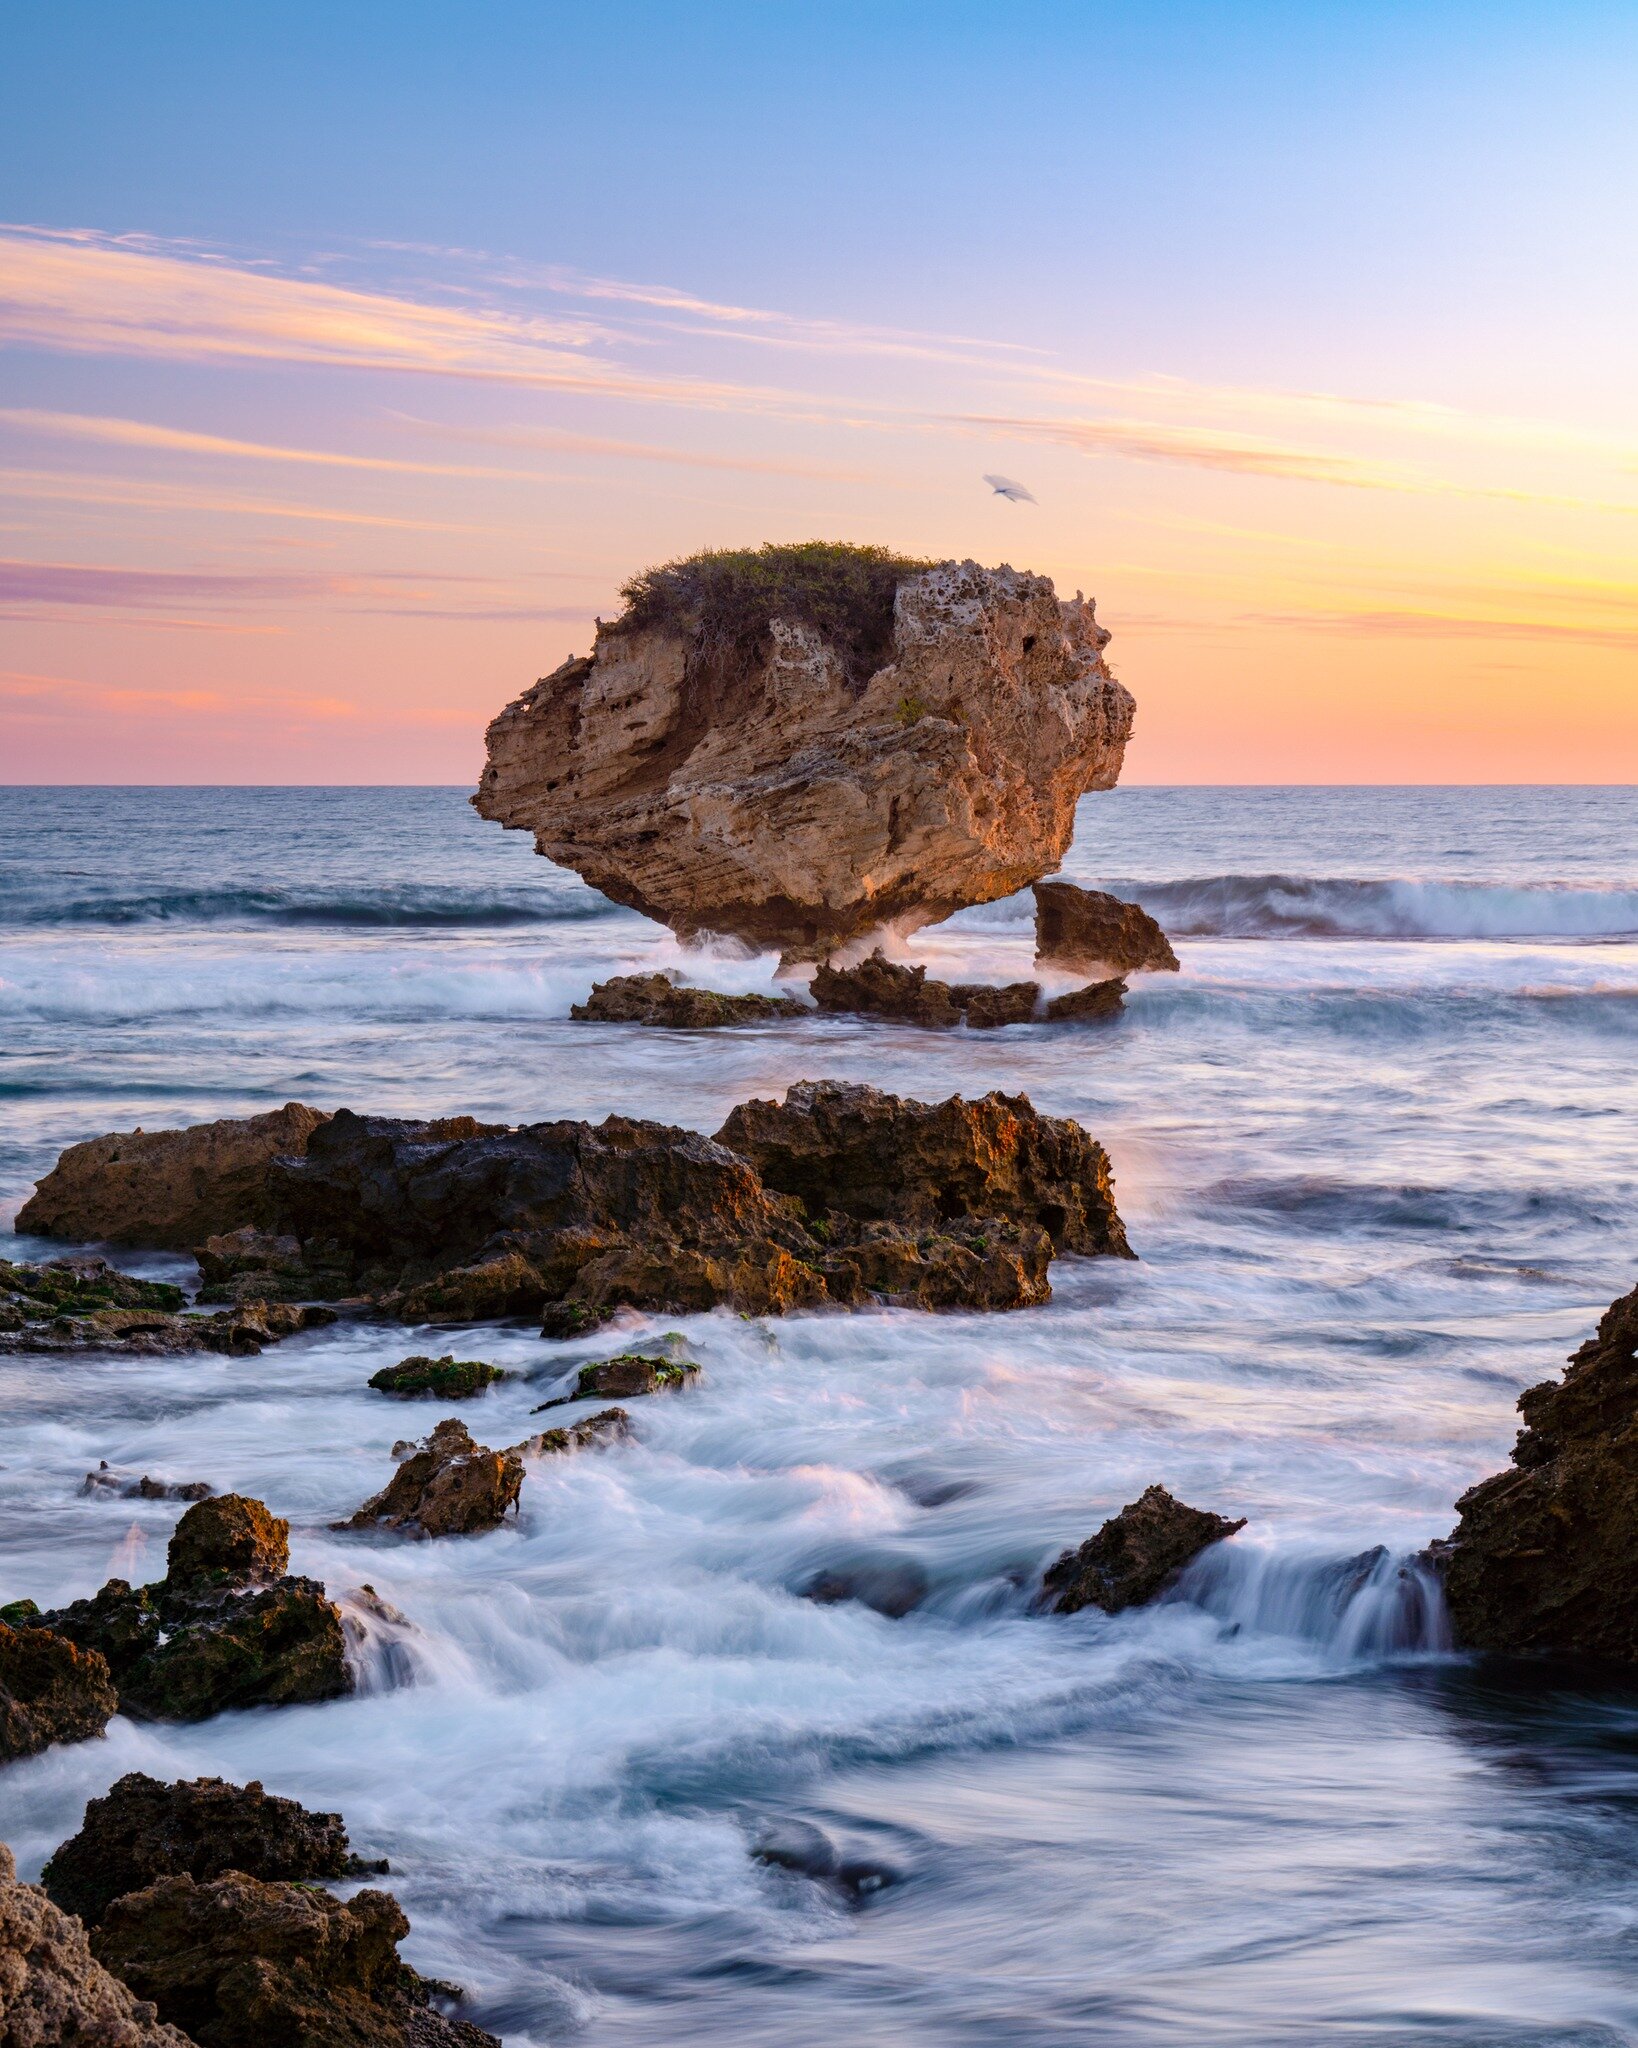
[51,1690]
[1092,931]
[447,1486]
[799,745]
[1135,1555]
[1542,1558]
[142,1829]
[53,1990]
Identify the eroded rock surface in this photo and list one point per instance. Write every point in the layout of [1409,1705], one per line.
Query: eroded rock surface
[1096,933]
[241,1963]
[625,1377]
[84,1304]
[50,1690]
[1542,1558]
[608,1426]
[53,1991]
[169,1189]
[779,789]
[448,1486]
[446,1379]
[658,1000]
[879,987]
[142,1829]
[1135,1555]
[224,1628]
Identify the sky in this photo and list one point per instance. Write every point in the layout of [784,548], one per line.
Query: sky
[352,357]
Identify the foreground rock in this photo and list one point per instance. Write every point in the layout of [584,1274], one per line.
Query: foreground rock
[50,1691]
[224,1628]
[624,1378]
[1542,1558]
[170,1189]
[656,999]
[53,1991]
[447,1379]
[1135,1555]
[801,745]
[84,1304]
[1095,933]
[240,1963]
[447,1486]
[142,1829]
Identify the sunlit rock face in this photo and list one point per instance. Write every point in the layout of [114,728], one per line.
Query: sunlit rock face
[777,794]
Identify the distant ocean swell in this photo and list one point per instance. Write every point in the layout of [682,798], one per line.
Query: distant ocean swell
[404,905]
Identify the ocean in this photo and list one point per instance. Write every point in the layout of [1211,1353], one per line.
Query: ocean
[1375,1147]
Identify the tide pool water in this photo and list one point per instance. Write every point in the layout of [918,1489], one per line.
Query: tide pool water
[1375,1146]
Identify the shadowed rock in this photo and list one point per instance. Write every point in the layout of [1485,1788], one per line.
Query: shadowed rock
[105,1482]
[1098,1000]
[142,1829]
[171,1189]
[623,1378]
[84,1304]
[656,999]
[608,1426]
[240,1963]
[1093,932]
[448,1378]
[1542,1558]
[447,1486]
[53,1991]
[879,987]
[1135,1555]
[50,1691]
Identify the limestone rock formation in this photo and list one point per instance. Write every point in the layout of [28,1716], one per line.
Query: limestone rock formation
[1542,1558]
[1095,1003]
[50,1691]
[241,1963]
[53,1991]
[797,783]
[447,1486]
[657,999]
[1095,933]
[1135,1555]
[171,1189]
[142,1829]
[224,1627]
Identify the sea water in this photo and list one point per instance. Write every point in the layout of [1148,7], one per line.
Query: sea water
[1375,1146]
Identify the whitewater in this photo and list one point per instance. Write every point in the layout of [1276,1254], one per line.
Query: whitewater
[1375,1148]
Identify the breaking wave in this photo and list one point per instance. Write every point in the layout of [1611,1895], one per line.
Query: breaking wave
[1317,907]
[392,905]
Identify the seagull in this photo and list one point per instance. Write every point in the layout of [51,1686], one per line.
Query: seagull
[1004,487]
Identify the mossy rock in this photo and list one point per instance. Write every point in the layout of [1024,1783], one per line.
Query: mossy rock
[448,1378]
[81,1287]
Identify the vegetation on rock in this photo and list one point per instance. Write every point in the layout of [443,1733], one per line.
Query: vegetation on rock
[448,1378]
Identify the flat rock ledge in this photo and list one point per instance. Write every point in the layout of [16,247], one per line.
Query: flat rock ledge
[1541,1560]
[84,1304]
[1135,1556]
[840,1196]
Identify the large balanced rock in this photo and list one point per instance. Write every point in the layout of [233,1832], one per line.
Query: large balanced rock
[53,1991]
[657,999]
[50,1691]
[142,1829]
[447,1486]
[1542,1558]
[240,1963]
[171,1189]
[1095,933]
[1135,1555]
[224,1628]
[800,745]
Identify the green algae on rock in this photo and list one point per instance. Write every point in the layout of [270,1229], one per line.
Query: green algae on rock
[448,1378]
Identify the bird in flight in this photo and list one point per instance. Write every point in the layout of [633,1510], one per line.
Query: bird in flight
[1004,487]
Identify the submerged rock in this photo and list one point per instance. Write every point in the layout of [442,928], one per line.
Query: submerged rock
[50,1690]
[224,1628]
[53,1991]
[609,1426]
[1542,1558]
[890,1583]
[105,1482]
[241,1963]
[624,1377]
[1135,1555]
[447,1486]
[142,1829]
[448,1378]
[802,745]
[171,1189]
[1091,931]
[656,999]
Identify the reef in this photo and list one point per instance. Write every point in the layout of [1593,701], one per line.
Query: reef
[1092,932]
[656,999]
[1541,1559]
[1135,1556]
[797,746]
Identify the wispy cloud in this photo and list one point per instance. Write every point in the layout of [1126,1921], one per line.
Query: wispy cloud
[76,583]
[48,486]
[1437,625]
[70,694]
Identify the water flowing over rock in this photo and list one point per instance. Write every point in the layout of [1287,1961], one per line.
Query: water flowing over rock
[658,1000]
[142,1829]
[53,1991]
[50,1691]
[447,1486]
[1135,1555]
[1093,932]
[168,1189]
[625,1377]
[245,1964]
[780,789]
[1542,1558]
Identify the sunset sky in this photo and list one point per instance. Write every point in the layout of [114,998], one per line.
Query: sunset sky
[355,355]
